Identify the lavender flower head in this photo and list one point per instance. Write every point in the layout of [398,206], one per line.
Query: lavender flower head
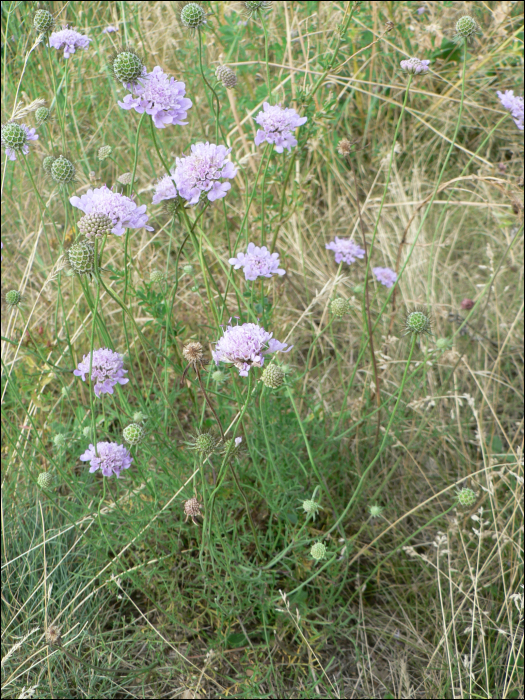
[246,346]
[106,371]
[109,29]
[514,104]
[68,39]
[164,189]
[415,65]
[122,210]
[257,262]
[109,457]
[161,96]
[345,250]
[278,125]
[385,276]
[15,137]
[202,170]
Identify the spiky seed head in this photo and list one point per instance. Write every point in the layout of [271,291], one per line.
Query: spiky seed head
[344,147]
[193,15]
[53,636]
[42,114]
[127,67]
[13,298]
[375,511]
[466,28]
[466,497]
[47,163]
[171,206]
[339,307]
[133,433]
[417,322]
[192,509]
[13,136]
[188,269]
[442,343]
[193,352]
[44,480]
[219,376]
[233,447]
[273,376]
[81,257]
[204,443]
[59,440]
[139,417]
[318,551]
[311,507]
[92,225]
[104,152]
[62,171]
[156,276]
[254,6]
[227,77]
[43,21]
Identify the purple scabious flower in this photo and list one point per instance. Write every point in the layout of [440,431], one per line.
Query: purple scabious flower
[415,65]
[385,276]
[122,210]
[107,370]
[70,40]
[160,96]
[514,104]
[164,189]
[421,9]
[278,125]
[246,346]
[109,457]
[109,29]
[15,137]
[202,170]
[345,250]
[257,262]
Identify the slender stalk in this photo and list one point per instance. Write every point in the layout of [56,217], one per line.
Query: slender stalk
[268,84]
[217,112]
[125,293]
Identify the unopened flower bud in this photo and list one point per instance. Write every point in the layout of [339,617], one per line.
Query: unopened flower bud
[318,551]
[418,323]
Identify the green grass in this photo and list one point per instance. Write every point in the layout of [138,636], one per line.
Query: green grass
[424,600]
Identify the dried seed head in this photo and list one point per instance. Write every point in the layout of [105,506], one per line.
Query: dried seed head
[311,507]
[273,376]
[81,257]
[344,147]
[133,433]
[53,636]
[104,152]
[204,443]
[125,178]
[47,163]
[43,21]
[466,497]
[418,322]
[339,307]
[193,16]
[318,551]
[227,77]
[375,511]
[193,352]
[45,480]
[92,225]
[156,276]
[192,509]
[59,440]
[127,67]
[62,171]
[466,29]
[12,298]
[42,114]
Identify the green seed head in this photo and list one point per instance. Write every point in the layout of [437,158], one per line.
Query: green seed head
[42,114]
[127,67]
[418,322]
[466,28]
[43,21]
[171,206]
[318,551]
[156,276]
[219,376]
[339,307]
[134,433]
[233,447]
[47,163]
[104,152]
[13,298]
[44,480]
[188,269]
[139,417]
[375,511]
[95,225]
[443,343]
[59,440]
[81,257]
[193,15]
[13,136]
[227,77]
[62,171]
[466,497]
[254,6]
[273,376]
[204,443]
[86,432]
[310,507]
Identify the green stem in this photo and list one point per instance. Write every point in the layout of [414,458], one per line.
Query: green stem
[131,190]
[217,112]
[268,84]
